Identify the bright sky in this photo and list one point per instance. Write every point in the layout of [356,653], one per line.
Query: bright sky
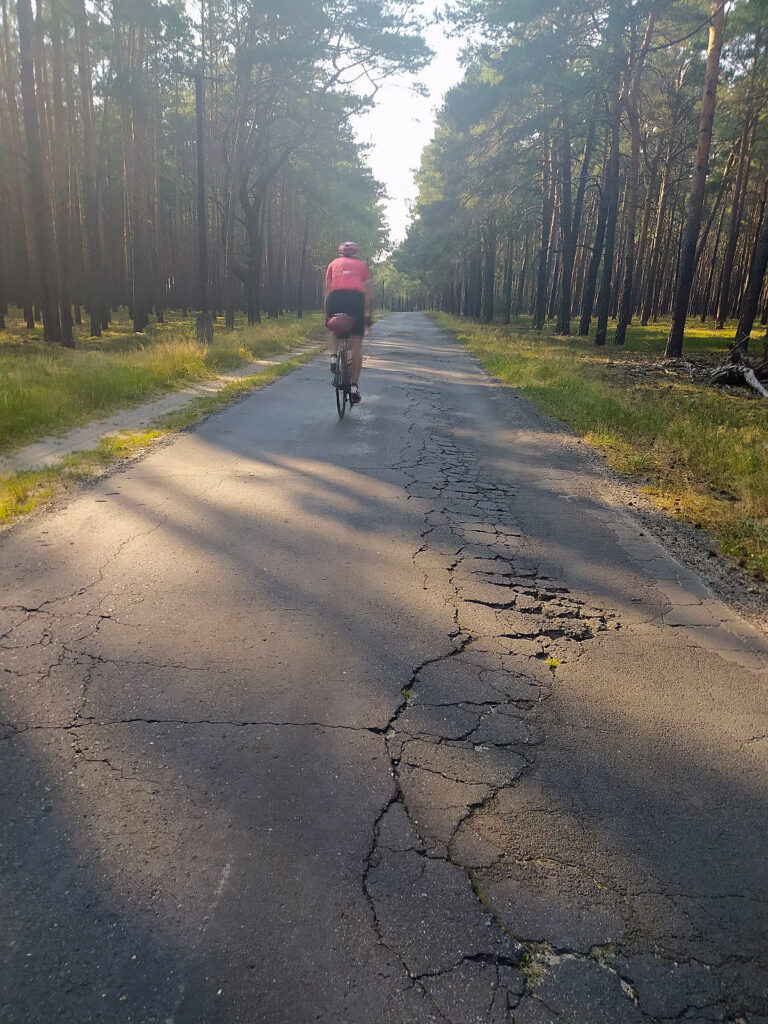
[402,124]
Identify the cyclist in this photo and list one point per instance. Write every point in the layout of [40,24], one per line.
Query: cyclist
[348,290]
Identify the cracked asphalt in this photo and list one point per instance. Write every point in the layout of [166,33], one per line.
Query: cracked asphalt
[398,720]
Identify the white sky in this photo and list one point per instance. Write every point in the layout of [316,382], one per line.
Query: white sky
[402,123]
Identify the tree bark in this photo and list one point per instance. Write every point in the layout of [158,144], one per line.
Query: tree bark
[734,224]
[612,186]
[252,208]
[61,184]
[708,300]
[508,275]
[40,199]
[566,226]
[302,265]
[590,284]
[489,273]
[638,288]
[23,239]
[547,213]
[205,321]
[751,296]
[630,101]
[522,279]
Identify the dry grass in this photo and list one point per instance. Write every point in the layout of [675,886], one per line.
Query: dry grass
[26,491]
[46,389]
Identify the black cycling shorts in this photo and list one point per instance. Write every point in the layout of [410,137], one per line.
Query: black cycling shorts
[345,300]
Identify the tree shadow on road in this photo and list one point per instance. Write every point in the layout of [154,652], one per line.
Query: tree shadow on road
[241,615]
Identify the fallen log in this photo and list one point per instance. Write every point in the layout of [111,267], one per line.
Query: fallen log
[738,373]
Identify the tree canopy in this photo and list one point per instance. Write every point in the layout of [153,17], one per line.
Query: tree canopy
[99,151]
[560,177]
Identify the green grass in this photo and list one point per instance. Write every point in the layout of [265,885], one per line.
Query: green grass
[28,490]
[46,389]
[700,453]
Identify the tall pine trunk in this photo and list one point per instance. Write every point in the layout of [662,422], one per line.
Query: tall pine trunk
[489,268]
[633,182]
[23,240]
[734,225]
[696,201]
[95,289]
[590,283]
[40,200]
[508,275]
[751,296]
[62,184]
[547,214]
[612,186]
[566,224]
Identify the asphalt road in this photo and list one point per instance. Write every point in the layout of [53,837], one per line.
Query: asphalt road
[392,721]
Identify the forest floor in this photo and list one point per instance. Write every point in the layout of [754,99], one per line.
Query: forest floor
[47,392]
[698,452]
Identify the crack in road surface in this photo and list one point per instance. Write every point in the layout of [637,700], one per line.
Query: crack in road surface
[460,503]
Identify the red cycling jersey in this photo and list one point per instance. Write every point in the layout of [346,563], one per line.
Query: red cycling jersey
[347,274]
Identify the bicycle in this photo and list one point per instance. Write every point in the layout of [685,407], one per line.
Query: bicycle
[340,325]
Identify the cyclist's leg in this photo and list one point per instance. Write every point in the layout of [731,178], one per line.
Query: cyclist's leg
[356,343]
[357,306]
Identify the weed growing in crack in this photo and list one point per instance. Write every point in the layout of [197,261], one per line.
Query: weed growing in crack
[531,968]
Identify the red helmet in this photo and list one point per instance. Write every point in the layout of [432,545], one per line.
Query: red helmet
[348,249]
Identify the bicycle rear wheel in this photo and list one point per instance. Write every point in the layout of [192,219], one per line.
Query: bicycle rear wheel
[338,383]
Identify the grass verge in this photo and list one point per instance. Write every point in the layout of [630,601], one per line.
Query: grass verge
[46,389]
[699,453]
[28,490]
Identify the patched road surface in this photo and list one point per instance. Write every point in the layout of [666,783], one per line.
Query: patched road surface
[389,721]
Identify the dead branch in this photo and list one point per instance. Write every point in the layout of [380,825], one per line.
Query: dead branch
[739,373]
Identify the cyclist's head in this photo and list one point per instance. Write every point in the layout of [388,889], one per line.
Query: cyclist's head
[348,249]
